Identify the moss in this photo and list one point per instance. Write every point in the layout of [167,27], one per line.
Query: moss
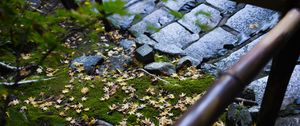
[189,86]
[7,57]
[98,109]
[32,118]
[159,57]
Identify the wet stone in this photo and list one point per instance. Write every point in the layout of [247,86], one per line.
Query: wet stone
[152,23]
[161,68]
[145,54]
[127,44]
[187,7]
[293,89]
[224,5]
[252,19]
[171,49]
[201,18]
[175,34]
[121,21]
[211,45]
[102,123]
[120,62]
[235,56]
[245,118]
[176,4]
[144,39]
[34,3]
[141,8]
[238,116]
[187,61]
[297,101]
[89,63]
[288,121]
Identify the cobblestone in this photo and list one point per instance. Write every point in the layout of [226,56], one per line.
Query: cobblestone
[224,5]
[152,23]
[141,8]
[175,34]
[252,19]
[201,18]
[211,44]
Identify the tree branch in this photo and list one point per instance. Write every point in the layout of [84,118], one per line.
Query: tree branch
[24,82]
[157,77]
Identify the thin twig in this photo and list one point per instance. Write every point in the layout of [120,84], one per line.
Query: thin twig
[245,101]
[157,77]
[24,82]
[8,66]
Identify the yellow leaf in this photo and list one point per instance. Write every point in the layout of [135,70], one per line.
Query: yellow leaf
[84,90]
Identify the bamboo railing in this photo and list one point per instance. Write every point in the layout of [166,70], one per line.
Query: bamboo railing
[280,44]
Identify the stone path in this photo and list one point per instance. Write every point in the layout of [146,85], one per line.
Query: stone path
[212,33]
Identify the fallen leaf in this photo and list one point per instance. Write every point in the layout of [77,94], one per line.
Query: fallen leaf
[84,90]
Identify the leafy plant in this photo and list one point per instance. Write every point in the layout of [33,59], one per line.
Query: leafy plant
[31,37]
[203,26]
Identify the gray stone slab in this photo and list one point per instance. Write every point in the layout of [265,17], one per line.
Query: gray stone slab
[144,39]
[288,121]
[235,56]
[176,4]
[88,62]
[143,7]
[293,89]
[200,17]
[145,54]
[224,5]
[211,44]
[252,19]
[175,34]
[171,49]
[152,23]
[121,21]
[161,67]
[187,60]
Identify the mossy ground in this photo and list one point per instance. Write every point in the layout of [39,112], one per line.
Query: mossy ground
[47,111]
[98,109]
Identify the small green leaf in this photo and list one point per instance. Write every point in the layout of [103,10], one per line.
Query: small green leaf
[203,26]
[176,14]
[207,14]
[151,27]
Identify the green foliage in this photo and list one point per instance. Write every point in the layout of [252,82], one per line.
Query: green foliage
[137,18]
[114,6]
[162,58]
[203,26]
[176,14]
[23,31]
[153,28]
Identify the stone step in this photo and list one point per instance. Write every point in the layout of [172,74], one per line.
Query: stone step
[153,22]
[143,7]
[201,18]
[252,19]
[293,89]
[175,34]
[211,45]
